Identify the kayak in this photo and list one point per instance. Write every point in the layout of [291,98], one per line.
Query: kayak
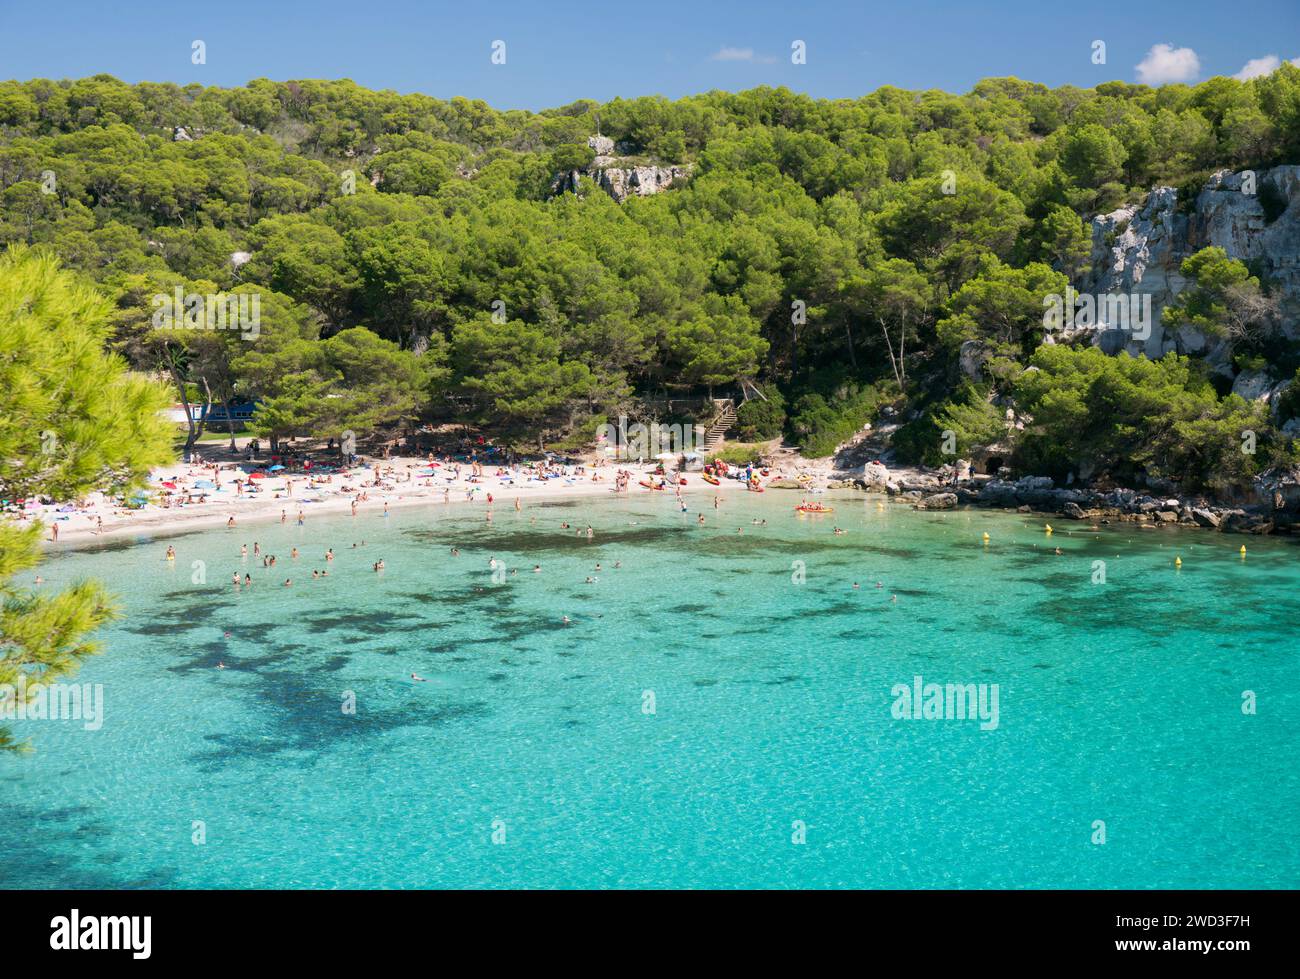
[711,480]
[652,486]
[755,488]
[815,509]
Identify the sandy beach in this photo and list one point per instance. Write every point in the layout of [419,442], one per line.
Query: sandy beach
[282,497]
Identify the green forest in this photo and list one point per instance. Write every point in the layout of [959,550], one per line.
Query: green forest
[415,259]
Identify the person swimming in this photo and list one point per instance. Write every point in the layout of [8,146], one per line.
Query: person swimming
[418,679]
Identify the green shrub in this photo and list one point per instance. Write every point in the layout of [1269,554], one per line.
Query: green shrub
[1133,418]
[1288,405]
[819,423]
[968,415]
[736,455]
[758,419]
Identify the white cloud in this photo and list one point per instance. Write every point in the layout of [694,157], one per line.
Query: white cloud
[1258,67]
[1165,63]
[741,54]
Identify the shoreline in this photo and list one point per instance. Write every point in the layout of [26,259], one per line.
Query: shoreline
[79,531]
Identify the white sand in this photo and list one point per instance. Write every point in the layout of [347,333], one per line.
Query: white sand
[399,487]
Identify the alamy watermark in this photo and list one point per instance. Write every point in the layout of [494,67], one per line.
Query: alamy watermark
[923,701]
[640,441]
[241,312]
[1130,312]
[53,702]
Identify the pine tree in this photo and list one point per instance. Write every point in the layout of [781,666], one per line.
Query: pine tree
[72,420]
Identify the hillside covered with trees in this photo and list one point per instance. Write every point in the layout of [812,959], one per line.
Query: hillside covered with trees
[417,258]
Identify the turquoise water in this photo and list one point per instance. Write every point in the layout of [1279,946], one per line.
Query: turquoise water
[1118,702]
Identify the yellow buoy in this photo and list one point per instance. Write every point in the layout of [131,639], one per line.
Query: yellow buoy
[986,538]
[1049,528]
[1243,550]
[1178,562]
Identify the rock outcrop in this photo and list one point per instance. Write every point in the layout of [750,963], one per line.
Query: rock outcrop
[937,501]
[624,182]
[1137,250]
[620,182]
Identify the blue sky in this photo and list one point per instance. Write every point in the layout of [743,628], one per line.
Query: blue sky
[558,52]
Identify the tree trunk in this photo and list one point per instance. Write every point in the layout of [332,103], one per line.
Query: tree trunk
[902,362]
[195,431]
[848,333]
[892,361]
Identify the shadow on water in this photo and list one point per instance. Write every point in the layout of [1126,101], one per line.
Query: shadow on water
[49,846]
[307,720]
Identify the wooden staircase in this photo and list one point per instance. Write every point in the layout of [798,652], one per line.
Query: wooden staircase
[716,433]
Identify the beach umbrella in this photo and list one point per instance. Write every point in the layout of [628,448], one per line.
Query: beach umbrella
[204,484]
[257,476]
[276,468]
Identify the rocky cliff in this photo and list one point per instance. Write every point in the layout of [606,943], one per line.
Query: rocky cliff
[620,181]
[1138,249]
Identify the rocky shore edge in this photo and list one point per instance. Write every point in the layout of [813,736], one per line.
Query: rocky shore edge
[1280,513]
